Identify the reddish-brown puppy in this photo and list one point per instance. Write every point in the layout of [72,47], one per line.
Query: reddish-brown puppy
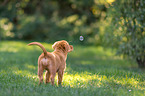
[53,62]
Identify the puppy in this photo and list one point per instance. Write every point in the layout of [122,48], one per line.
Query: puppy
[53,62]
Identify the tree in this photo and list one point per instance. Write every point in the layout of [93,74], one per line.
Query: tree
[129,29]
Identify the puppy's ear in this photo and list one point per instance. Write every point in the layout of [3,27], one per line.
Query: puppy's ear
[70,48]
[54,45]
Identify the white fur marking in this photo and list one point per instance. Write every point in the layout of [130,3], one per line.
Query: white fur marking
[45,61]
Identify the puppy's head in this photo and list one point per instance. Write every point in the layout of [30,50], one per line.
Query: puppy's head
[62,45]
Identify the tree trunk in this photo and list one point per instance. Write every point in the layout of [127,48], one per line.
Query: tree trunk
[141,63]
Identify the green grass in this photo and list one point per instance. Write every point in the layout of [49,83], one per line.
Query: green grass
[91,71]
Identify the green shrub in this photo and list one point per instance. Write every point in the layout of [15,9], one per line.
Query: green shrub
[5,28]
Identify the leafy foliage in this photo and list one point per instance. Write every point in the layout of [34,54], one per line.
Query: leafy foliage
[5,28]
[53,20]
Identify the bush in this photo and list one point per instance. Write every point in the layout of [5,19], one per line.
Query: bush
[52,20]
[5,29]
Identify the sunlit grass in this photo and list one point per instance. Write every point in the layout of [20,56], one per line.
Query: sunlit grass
[90,70]
[97,80]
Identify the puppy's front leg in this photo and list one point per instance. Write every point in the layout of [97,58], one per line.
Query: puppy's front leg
[60,76]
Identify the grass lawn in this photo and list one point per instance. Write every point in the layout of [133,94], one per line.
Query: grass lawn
[91,71]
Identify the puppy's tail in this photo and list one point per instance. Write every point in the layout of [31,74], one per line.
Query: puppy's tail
[40,45]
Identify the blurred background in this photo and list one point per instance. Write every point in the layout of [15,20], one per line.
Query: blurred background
[118,24]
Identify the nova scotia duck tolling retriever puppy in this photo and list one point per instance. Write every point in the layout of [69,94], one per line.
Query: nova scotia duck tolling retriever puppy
[53,62]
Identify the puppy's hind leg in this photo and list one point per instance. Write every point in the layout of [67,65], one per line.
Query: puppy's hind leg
[40,74]
[52,77]
[47,77]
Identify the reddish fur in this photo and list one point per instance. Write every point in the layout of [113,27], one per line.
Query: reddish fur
[53,62]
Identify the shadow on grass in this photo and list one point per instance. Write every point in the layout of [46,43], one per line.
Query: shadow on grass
[102,66]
